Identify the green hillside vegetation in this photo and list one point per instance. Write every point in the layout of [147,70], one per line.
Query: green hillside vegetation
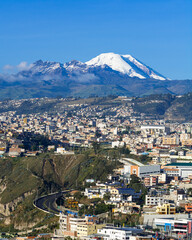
[53,105]
[26,178]
[167,106]
[164,106]
[154,104]
[101,90]
[49,172]
[181,109]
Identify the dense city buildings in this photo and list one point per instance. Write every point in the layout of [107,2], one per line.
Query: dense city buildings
[153,183]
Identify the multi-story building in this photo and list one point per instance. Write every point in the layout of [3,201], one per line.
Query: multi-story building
[166,208]
[87,229]
[113,233]
[150,181]
[162,178]
[123,194]
[142,171]
[171,140]
[164,224]
[69,223]
[182,169]
[95,192]
[183,227]
[148,237]
[188,207]
[171,172]
[180,227]
[187,142]
[153,200]
[153,130]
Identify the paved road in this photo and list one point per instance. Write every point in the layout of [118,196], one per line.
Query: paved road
[46,203]
[133,161]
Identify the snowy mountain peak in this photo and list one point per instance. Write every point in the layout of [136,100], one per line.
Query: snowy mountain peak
[125,64]
[46,67]
[112,60]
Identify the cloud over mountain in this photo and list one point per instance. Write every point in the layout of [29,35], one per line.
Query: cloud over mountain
[108,73]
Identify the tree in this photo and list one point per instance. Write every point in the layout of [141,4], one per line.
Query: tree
[96,147]
[97,134]
[78,196]
[189,192]
[138,186]
[134,179]
[68,238]
[107,196]
[124,150]
[180,209]
[144,159]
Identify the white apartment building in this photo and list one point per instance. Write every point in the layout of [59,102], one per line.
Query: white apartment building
[68,224]
[117,144]
[95,192]
[153,130]
[71,223]
[153,200]
[113,233]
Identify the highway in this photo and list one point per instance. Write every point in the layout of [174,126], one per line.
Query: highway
[47,203]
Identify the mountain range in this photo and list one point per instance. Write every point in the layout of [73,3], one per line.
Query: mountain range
[106,74]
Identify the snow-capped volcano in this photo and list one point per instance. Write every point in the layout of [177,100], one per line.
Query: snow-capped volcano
[106,74]
[125,64]
[103,66]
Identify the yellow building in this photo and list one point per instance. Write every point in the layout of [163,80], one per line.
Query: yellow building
[25,120]
[174,140]
[88,229]
[187,142]
[171,140]
[70,203]
[166,209]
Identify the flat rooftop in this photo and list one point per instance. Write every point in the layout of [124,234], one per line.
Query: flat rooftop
[180,164]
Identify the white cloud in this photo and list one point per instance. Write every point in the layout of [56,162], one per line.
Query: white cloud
[85,77]
[20,67]
[23,66]
[8,67]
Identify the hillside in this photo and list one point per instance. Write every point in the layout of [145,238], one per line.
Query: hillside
[23,179]
[154,105]
[164,106]
[167,106]
[181,109]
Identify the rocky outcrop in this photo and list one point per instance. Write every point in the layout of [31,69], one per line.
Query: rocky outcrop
[7,208]
[2,185]
[25,225]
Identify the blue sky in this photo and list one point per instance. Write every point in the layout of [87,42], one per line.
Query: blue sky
[157,32]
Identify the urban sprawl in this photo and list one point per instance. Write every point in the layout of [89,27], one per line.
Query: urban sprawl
[160,158]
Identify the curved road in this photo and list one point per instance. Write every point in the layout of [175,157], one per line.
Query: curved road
[47,203]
